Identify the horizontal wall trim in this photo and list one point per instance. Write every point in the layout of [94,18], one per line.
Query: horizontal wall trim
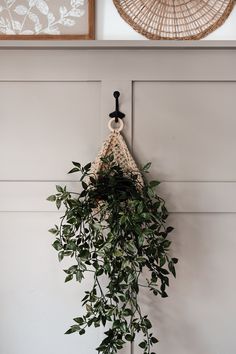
[132,81]
[181,197]
[73,181]
[61,212]
[51,81]
[147,65]
[116,44]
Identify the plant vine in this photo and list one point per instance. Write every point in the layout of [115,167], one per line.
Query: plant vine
[114,228]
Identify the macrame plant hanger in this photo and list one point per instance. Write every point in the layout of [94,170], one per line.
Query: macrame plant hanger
[112,202]
[115,145]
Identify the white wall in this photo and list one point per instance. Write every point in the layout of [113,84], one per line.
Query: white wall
[109,25]
[180,114]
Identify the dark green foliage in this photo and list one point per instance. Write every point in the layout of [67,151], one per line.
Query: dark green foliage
[114,228]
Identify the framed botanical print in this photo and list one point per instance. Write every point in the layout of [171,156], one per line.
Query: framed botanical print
[47,19]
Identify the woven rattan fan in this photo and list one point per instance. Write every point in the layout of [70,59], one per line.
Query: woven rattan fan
[174,19]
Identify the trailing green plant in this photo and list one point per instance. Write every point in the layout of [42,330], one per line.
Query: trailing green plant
[115,228]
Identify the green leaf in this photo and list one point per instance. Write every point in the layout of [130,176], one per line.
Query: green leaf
[122,298]
[58,203]
[52,198]
[92,180]
[79,320]
[99,272]
[118,253]
[116,324]
[77,164]
[154,340]
[166,243]
[163,271]
[147,323]
[140,239]
[53,231]
[142,345]
[164,294]
[146,216]
[83,194]
[154,278]
[169,229]
[87,167]
[59,189]
[84,254]
[146,167]
[162,261]
[127,312]
[57,245]
[79,276]
[71,330]
[140,208]
[172,268]
[154,184]
[89,308]
[104,320]
[75,169]
[84,185]
[69,278]
[60,256]
[71,245]
[131,247]
[129,337]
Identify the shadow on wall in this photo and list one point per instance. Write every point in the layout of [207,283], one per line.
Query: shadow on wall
[185,321]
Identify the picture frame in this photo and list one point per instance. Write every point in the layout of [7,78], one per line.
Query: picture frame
[47,19]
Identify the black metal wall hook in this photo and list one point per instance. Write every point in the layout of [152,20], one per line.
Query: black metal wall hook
[117,114]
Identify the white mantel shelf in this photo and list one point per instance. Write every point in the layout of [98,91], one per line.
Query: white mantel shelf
[116,45]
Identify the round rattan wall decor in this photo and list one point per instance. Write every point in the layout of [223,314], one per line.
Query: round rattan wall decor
[174,19]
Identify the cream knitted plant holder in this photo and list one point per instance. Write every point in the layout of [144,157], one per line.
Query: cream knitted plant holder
[115,145]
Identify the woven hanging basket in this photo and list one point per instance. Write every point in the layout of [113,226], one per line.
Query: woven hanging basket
[174,19]
[116,146]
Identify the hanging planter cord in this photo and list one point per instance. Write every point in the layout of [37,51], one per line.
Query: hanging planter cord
[115,145]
